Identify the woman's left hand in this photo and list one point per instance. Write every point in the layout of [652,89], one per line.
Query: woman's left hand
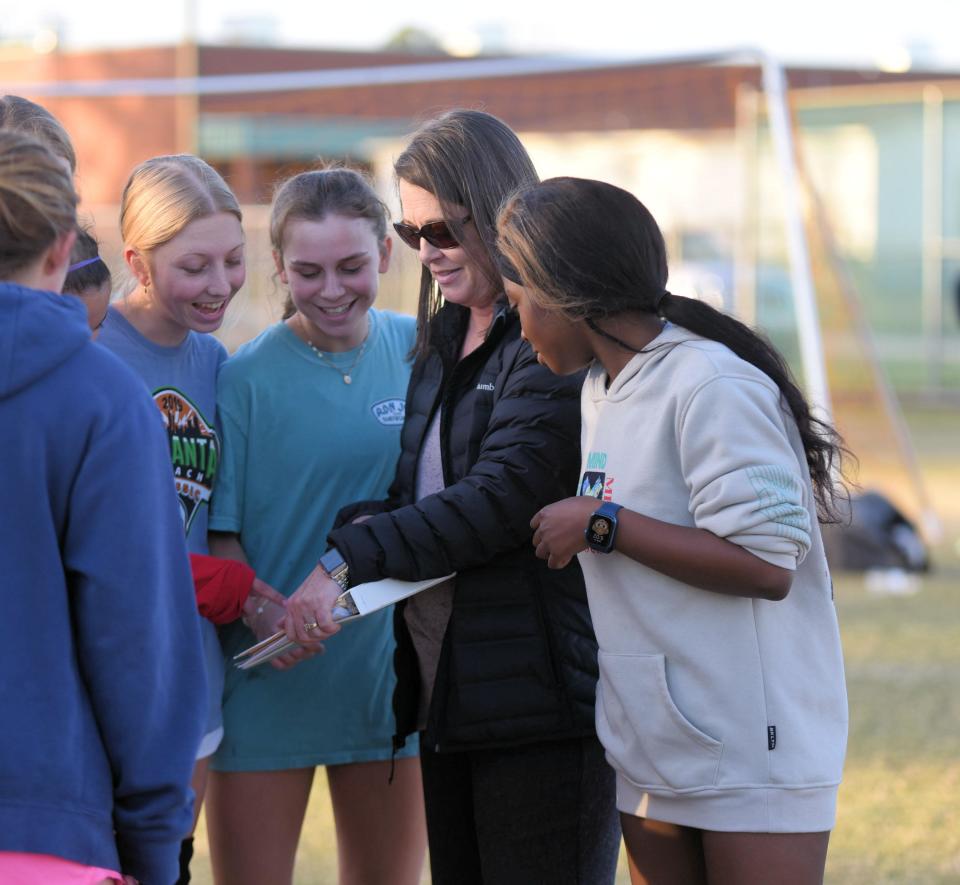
[309,617]
[558,529]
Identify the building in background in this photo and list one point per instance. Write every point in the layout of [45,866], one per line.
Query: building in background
[689,138]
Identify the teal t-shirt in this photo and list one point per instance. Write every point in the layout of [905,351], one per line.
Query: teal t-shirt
[297,445]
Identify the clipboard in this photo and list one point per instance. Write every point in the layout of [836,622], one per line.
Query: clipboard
[364,599]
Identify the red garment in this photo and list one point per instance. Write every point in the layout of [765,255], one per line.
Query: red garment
[222,587]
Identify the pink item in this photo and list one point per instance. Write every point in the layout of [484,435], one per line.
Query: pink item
[20,868]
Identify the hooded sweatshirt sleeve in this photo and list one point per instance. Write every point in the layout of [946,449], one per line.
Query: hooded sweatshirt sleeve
[745,481]
[137,631]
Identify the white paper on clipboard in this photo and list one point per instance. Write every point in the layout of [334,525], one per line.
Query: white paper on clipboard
[364,599]
[368,598]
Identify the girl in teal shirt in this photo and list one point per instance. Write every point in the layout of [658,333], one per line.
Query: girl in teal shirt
[311,412]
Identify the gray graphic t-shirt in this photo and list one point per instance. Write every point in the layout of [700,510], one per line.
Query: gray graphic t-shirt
[183,383]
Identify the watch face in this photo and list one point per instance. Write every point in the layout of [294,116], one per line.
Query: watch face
[599,531]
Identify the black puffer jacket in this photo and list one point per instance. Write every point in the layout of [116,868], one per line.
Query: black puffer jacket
[519,658]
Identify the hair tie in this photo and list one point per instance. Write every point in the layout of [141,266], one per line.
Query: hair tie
[660,299]
[80,264]
[603,333]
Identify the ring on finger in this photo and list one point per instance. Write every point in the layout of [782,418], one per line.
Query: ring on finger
[309,625]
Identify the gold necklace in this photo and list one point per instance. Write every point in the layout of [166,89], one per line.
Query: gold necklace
[346,375]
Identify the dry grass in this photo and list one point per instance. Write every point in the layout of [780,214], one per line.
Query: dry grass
[898,819]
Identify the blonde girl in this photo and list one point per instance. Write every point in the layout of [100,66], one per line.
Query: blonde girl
[184,248]
[101,700]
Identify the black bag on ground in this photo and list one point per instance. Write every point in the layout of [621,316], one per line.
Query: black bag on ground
[875,536]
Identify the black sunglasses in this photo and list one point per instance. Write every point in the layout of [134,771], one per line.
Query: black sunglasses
[436,233]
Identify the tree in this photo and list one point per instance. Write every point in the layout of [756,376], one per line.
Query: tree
[415,41]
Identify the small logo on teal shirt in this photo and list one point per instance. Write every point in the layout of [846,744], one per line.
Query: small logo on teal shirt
[389,412]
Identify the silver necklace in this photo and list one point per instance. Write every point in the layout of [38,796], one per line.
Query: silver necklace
[346,375]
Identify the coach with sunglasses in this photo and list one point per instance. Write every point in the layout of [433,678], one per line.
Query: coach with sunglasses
[497,667]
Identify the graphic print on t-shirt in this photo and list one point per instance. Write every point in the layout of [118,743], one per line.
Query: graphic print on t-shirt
[194,451]
[595,482]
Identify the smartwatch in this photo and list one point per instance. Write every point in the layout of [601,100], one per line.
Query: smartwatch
[333,563]
[602,527]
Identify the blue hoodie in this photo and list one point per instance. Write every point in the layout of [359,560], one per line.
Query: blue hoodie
[102,695]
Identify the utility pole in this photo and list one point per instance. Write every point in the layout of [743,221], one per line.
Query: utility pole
[187,67]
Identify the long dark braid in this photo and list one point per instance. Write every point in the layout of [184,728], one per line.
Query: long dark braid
[821,443]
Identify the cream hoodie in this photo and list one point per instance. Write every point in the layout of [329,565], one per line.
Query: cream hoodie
[716,711]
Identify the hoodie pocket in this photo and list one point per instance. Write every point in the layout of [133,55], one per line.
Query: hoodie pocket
[647,738]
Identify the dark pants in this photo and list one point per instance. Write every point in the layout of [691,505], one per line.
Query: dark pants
[540,813]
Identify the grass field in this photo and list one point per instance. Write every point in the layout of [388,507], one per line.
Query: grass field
[898,819]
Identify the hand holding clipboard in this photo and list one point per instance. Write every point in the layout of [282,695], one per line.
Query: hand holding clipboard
[351,604]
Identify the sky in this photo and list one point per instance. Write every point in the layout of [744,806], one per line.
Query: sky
[836,31]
